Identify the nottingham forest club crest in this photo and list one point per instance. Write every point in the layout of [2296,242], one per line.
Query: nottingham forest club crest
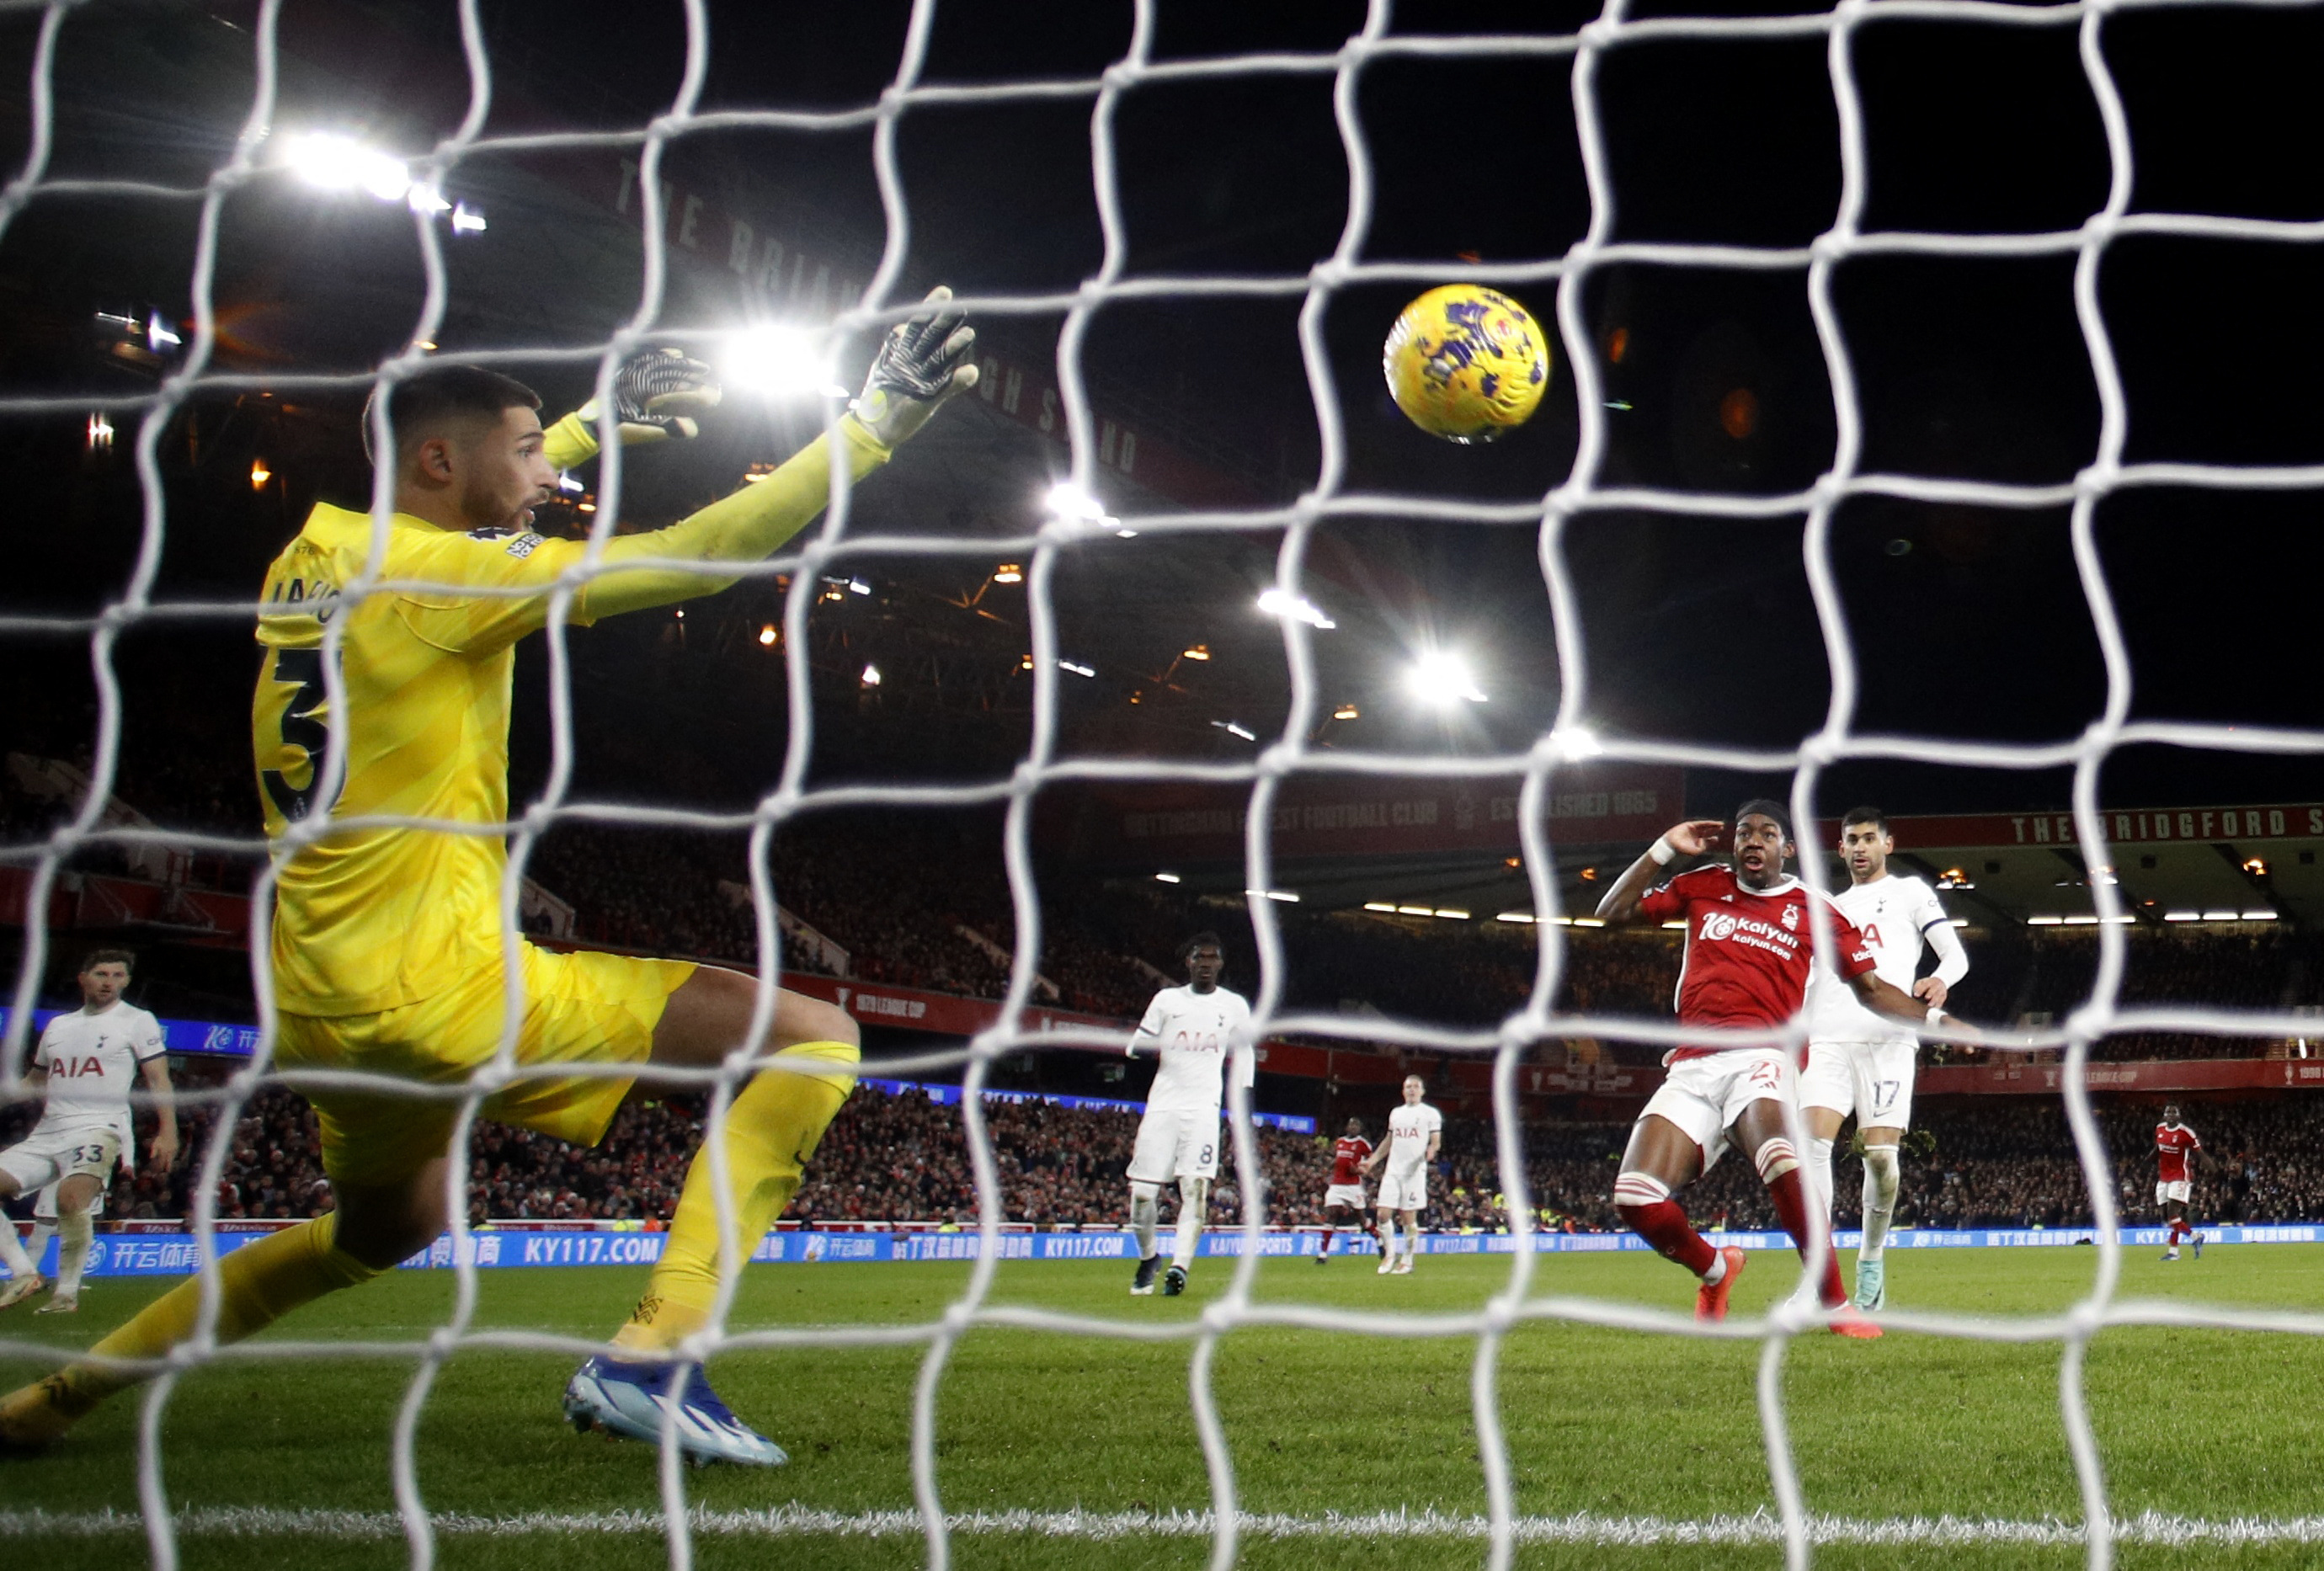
[1792,917]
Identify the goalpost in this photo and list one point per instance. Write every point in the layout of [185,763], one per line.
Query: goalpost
[145,419]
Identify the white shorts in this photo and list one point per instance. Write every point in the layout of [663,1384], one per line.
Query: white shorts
[2178,1189]
[1404,1192]
[44,1158]
[1702,1096]
[1872,1080]
[1175,1145]
[1348,1194]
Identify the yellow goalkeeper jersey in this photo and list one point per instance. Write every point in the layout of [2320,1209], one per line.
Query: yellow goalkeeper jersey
[376,916]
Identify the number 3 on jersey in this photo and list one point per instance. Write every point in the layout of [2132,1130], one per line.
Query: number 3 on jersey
[302,724]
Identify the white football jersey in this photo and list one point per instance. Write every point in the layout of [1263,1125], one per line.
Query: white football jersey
[92,1062]
[1408,1129]
[1193,1032]
[1895,914]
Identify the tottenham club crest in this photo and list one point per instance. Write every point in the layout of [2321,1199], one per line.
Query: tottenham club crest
[1792,917]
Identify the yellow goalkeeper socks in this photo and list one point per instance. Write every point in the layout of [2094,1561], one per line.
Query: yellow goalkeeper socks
[258,1283]
[772,1127]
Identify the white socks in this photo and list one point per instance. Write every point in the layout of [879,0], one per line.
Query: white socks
[12,1251]
[1387,1234]
[75,1229]
[1144,1211]
[1881,1176]
[1820,1177]
[1193,1202]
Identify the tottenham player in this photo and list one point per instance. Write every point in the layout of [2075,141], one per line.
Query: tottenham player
[86,1062]
[1343,1196]
[1860,1062]
[1193,1029]
[1416,1133]
[2175,1148]
[1750,947]
[388,946]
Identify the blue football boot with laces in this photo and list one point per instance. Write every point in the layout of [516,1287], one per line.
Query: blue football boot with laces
[631,1399]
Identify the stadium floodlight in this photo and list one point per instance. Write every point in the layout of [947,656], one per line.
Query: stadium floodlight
[101,433]
[1068,500]
[767,636]
[1577,742]
[1168,879]
[2183,916]
[426,199]
[1415,911]
[775,360]
[160,335]
[870,678]
[1452,914]
[466,220]
[1199,652]
[1524,918]
[1284,896]
[1347,712]
[1235,729]
[1008,573]
[2259,916]
[2046,921]
[334,162]
[1388,906]
[564,481]
[1279,602]
[2221,915]
[1078,670]
[259,475]
[1443,678]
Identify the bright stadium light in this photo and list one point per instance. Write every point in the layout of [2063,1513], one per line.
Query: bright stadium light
[1522,918]
[1008,573]
[466,220]
[1443,678]
[1577,742]
[1279,603]
[340,163]
[1235,729]
[870,678]
[1347,712]
[775,360]
[767,636]
[1077,669]
[160,335]
[1068,500]
[1168,879]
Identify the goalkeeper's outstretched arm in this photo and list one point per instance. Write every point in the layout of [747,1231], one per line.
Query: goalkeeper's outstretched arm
[919,368]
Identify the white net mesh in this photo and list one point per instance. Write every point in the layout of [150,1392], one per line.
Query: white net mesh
[1044,764]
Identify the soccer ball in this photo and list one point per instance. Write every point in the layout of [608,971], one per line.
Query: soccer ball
[1466,362]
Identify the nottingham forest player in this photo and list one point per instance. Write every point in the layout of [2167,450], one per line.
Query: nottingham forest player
[1750,943]
[1343,1196]
[388,942]
[2175,1146]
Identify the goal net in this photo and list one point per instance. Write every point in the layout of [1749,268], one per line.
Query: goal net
[1928,362]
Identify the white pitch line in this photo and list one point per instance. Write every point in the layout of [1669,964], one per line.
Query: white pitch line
[794,1520]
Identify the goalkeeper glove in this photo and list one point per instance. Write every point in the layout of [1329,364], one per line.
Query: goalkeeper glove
[918,367]
[657,394]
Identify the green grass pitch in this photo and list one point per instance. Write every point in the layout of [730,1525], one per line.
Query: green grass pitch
[2201,1424]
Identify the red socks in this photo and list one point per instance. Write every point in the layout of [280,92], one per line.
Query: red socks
[2178,1228]
[1664,1225]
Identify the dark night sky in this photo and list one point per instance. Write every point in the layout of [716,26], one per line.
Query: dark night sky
[1969,622]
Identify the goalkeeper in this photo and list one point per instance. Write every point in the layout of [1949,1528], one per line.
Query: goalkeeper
[388,942]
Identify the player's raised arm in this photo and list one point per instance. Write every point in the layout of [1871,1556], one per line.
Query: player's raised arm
[1887,998]
[1691,839]
[919,366]
[657,395]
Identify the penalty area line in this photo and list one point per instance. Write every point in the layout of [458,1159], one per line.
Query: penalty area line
[794,1520]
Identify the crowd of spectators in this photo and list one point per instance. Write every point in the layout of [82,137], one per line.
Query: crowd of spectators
[891,1158]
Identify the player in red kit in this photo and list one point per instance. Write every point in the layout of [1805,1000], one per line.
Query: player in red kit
[1345,1192]
[2175,1146]
[1750,944]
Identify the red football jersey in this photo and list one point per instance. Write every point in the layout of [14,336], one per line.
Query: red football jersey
[1347,1158]
[2170,1149]
[1748,952]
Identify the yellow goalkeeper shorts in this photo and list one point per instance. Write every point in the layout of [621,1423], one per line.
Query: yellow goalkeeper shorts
[581,1008]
